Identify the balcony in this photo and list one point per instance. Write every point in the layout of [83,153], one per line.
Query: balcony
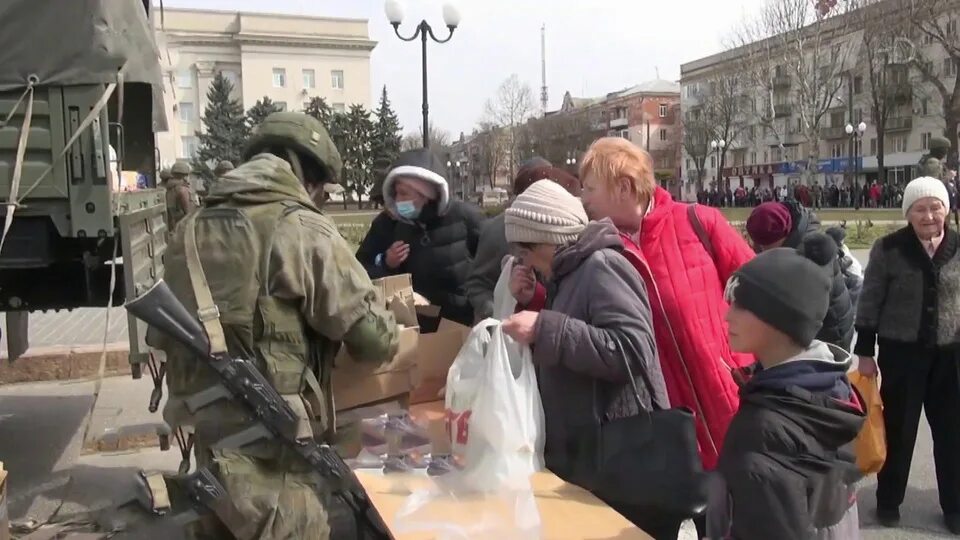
[898,123]
[782,110]
[833,132]
[899,92]
[781,82]
[617,123]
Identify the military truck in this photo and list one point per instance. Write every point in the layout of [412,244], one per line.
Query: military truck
[90,88]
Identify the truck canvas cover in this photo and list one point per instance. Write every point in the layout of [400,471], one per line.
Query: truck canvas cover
[86,42]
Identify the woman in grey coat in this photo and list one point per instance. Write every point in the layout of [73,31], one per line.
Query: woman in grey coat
[591,318]
[910,306]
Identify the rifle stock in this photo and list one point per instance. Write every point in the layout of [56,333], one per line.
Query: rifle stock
[159,308]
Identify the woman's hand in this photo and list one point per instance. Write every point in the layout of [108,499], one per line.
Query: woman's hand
[523,284]
[396,254]
[522,327]
[867,366]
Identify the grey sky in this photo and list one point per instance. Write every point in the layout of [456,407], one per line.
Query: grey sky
[593,47]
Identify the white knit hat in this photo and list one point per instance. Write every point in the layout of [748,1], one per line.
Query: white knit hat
[545,214]
[925,186]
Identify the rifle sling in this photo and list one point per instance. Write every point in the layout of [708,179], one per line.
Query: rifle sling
[207,310]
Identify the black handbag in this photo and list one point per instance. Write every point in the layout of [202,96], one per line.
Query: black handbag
[648,460]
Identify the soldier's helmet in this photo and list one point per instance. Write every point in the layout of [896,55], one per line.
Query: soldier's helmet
[939,143]
[181,168]
[300,132]
[164,175]
[223,167]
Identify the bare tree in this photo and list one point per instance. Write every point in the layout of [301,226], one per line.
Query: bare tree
[697,134]
[935,23]
[884,30]
[724,112]
[493,143]
[439,138]
[509,109]
[795,59]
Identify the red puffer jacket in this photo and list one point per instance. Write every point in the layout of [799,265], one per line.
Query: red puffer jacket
[686,289]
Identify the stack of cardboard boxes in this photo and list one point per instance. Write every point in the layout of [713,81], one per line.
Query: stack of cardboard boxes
[418,372]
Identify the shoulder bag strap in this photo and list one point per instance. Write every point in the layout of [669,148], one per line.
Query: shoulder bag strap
[636,389]
[207,310]
[699,230]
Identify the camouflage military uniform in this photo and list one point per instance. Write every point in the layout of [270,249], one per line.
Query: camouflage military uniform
[180,199]
[933,163]
[287,290]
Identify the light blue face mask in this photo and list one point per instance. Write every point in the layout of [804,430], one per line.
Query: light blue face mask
[407,209]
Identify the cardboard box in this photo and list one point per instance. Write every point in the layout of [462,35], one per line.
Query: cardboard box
[364,383]
[4,511]
[435,354]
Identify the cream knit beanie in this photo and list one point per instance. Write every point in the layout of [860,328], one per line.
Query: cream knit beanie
[925,186]
[545,214]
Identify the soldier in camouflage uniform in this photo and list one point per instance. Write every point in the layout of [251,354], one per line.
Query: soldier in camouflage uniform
[933,164]
[180,199]
[222,168]
[286,290]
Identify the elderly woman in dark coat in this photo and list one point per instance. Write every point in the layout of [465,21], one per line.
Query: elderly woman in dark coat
[910,304]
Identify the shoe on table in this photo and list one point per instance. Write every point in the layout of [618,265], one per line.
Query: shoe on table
[952,521]
[888,517]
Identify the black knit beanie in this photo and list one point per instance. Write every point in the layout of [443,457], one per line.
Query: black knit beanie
[787,288]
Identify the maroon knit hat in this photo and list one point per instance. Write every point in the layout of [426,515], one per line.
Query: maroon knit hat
[769,223]
[527,176]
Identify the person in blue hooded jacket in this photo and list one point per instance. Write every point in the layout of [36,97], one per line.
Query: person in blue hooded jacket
[423,232]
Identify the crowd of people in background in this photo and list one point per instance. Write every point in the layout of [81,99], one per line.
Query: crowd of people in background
[874,195]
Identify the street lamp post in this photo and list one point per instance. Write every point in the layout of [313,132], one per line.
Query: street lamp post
[451,18]
[856,134]
[718,146]
[571,159]
[454,168]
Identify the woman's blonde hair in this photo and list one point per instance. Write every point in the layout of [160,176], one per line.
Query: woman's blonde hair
[612,158]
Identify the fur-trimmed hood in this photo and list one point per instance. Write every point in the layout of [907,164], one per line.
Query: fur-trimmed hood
[422,164]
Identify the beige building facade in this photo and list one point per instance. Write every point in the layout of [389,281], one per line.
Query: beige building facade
[289,59]
[756,158]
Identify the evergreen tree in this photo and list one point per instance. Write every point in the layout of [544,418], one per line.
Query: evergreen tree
[353,133]
[260,110]
[387,140]
[224,128]
[319,109]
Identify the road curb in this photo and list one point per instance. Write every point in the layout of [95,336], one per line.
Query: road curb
[61,363]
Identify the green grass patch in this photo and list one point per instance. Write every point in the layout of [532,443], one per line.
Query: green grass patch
[830,214]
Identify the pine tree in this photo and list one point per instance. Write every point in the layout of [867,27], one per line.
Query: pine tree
[319,109]
[387,140]
[260,110]
[224,128]
[354,133]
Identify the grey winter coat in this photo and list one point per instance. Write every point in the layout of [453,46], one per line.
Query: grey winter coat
[597,318]
[485,267]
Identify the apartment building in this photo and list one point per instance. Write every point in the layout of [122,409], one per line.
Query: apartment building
[758,157]
[289,59]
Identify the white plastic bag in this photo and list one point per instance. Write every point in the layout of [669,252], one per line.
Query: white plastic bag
[494,415]
[504,304]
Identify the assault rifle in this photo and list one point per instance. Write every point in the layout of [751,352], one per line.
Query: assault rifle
[242,382]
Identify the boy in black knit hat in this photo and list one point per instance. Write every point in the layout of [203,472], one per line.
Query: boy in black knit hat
[786,470]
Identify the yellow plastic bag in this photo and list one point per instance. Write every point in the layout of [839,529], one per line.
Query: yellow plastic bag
[871,444]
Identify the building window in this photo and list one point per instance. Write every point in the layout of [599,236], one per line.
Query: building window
[925,106]
[281,105]
[663,134]
[279,78]
[189,145]
[186,111]
[858,147]
[952,27]
[624,133]
[897,144]
[873,146]
[663,110]
[336,79]
[836,150]
[713,162]
[309,79]
[925,141]
[949,67]
[766,156]
[857,85]
[185,79]
[799,125]
[338,107]
[753,158]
